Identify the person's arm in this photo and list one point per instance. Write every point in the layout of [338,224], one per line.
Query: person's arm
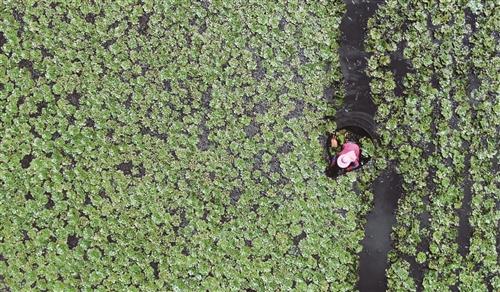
[333,142]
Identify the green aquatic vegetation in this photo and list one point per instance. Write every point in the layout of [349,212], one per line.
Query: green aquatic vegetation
[341,136]
[173,146]
[431,132]
[177,145]
[368,147]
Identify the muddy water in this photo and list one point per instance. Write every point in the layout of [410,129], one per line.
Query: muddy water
[387,188]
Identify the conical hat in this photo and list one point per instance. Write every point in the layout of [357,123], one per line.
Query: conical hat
[345,159]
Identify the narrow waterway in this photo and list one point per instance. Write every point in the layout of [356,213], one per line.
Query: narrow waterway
[377,242]
[387,187]
[353,58]
[465,228]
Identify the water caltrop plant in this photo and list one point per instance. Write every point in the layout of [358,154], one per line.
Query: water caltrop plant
[439,124]
[174,146]
[181,145]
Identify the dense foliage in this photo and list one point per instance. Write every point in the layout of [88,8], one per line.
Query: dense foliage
[435,79]
[181,145]
[173,145]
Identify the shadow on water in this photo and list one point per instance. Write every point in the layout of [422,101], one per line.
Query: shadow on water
[377,242]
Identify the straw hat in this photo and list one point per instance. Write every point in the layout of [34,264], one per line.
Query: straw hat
[344,160]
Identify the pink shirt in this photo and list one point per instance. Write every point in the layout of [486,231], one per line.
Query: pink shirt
[349,146]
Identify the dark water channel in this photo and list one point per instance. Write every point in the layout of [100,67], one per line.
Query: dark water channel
[387,187]
[377,242]
[353,58]
[465,229]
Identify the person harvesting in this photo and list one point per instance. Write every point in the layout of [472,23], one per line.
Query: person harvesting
[349,155]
